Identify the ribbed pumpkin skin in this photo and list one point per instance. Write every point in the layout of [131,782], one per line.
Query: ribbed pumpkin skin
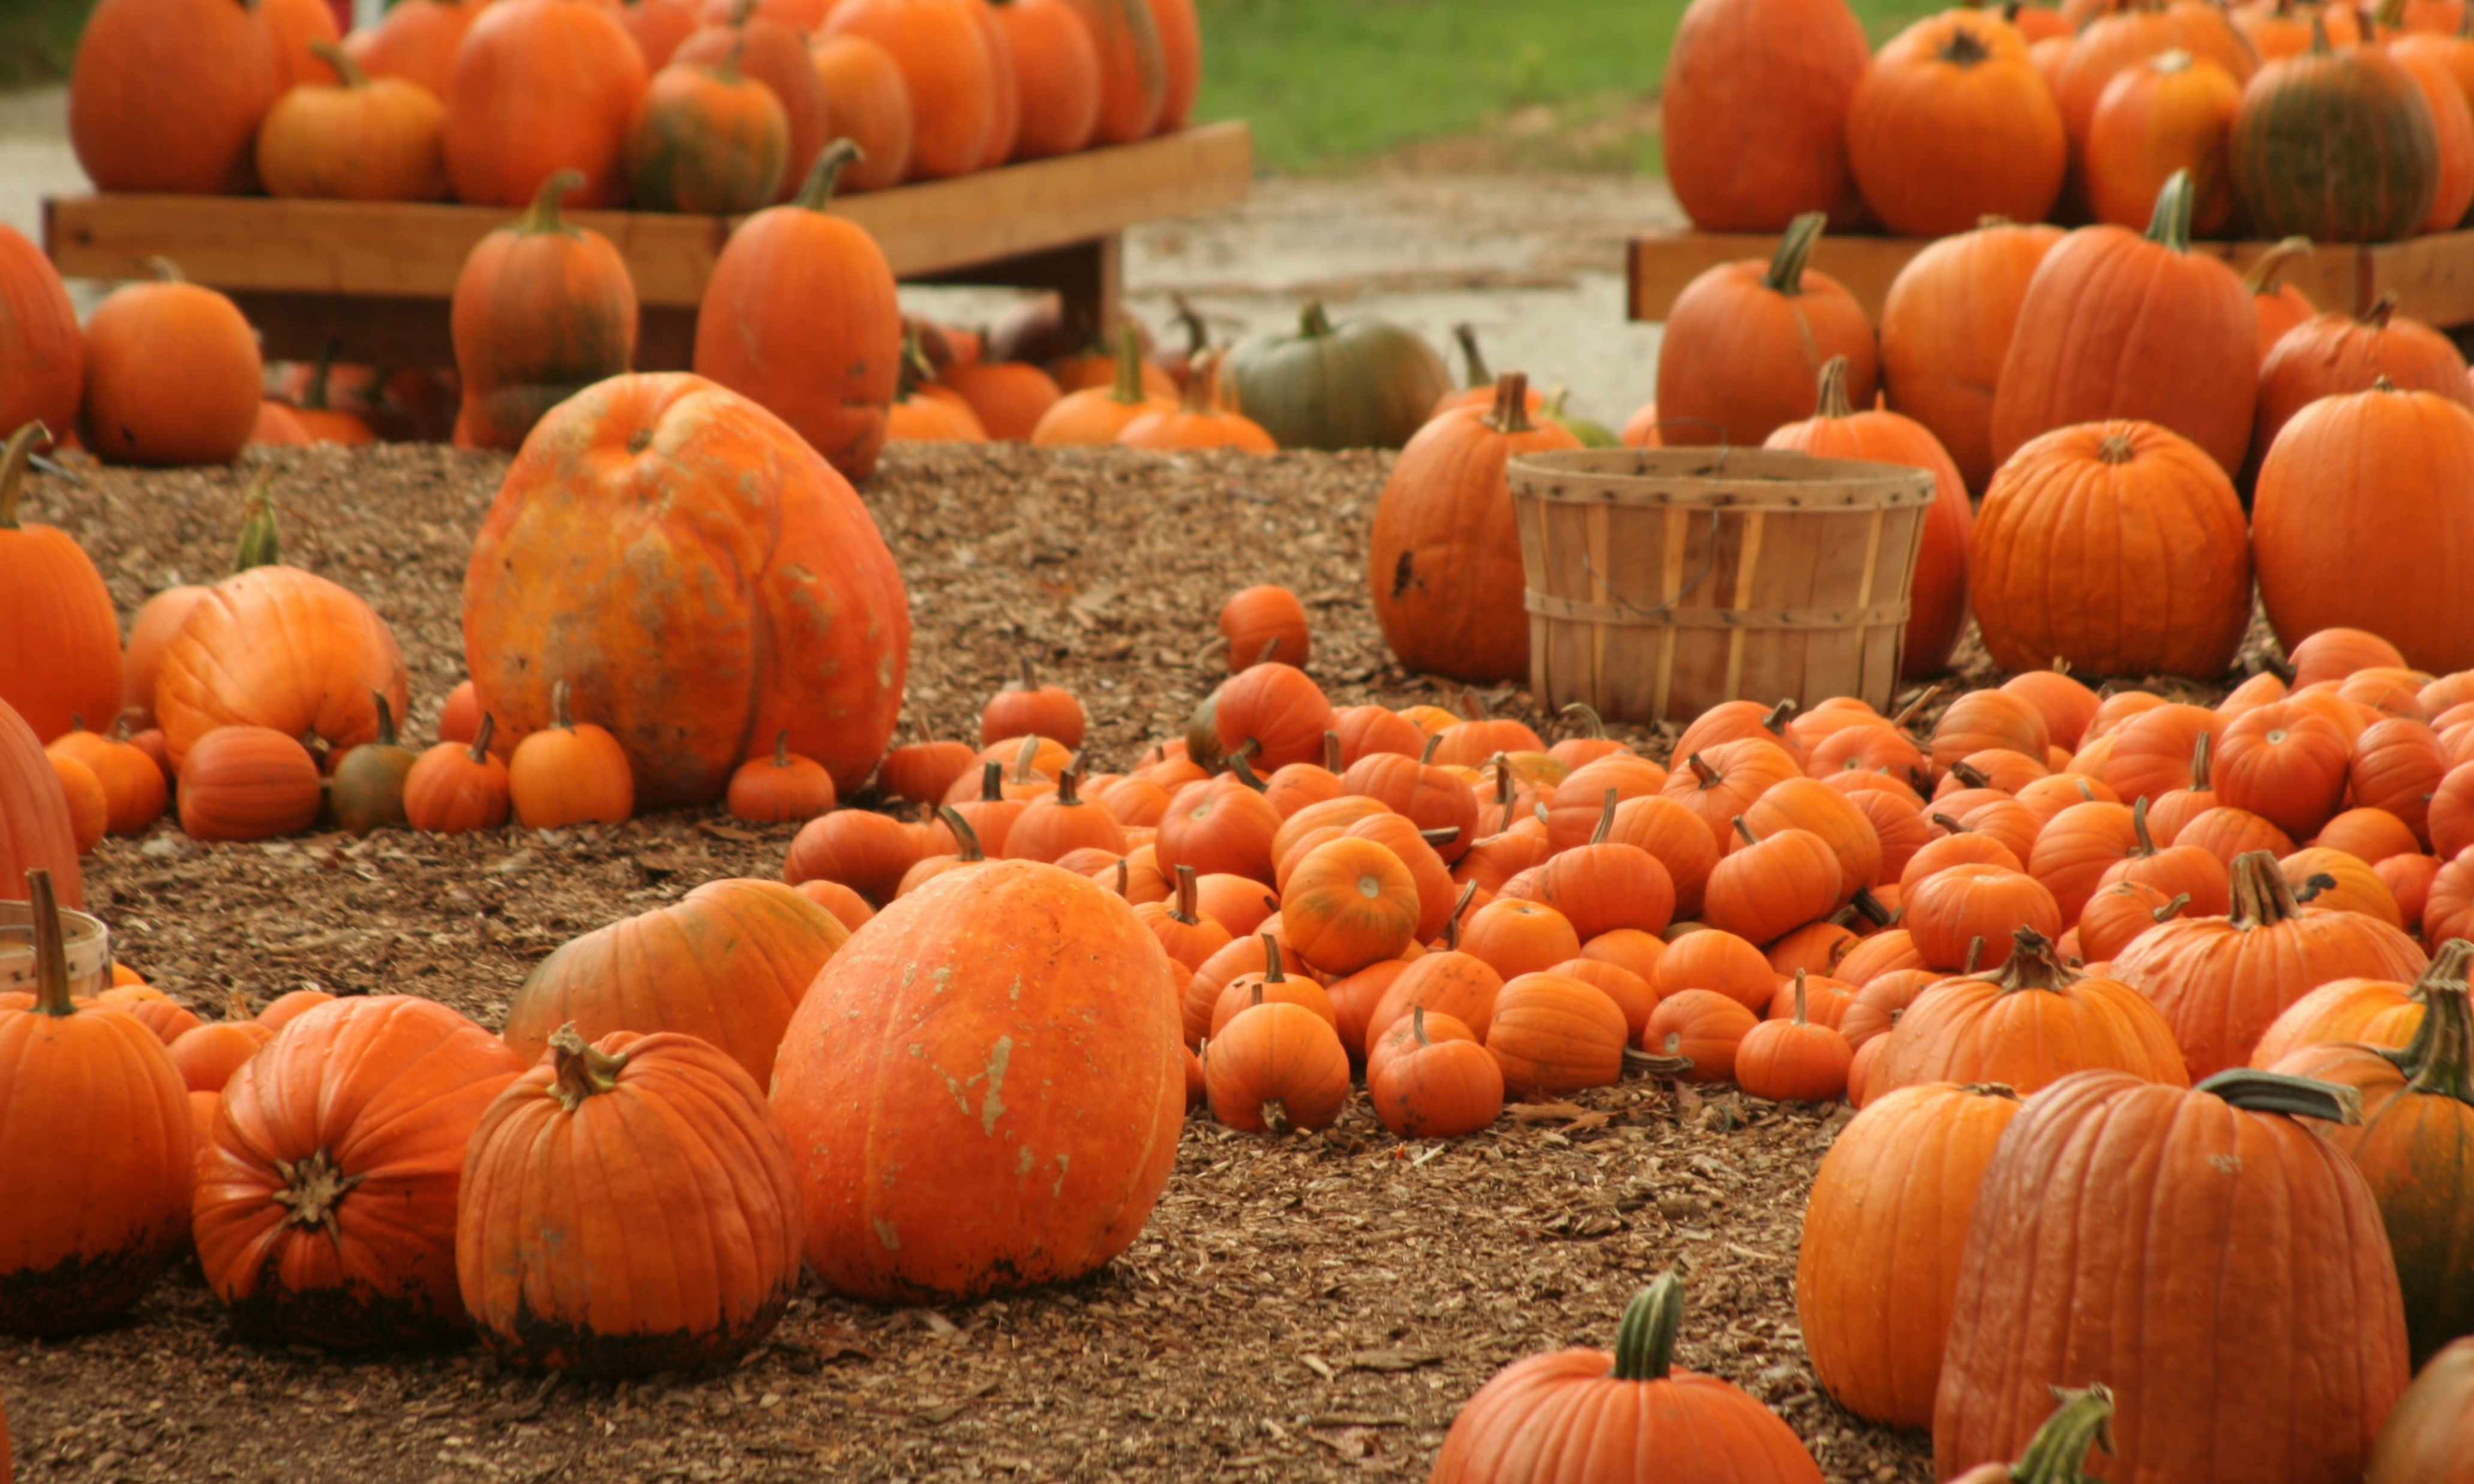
[247,783]
[2118,546]
[2322,564]
[541,311]
[2452,122]
[944,60]
[281,648]
[2335,147]
[166,95]
[813,637]
[60,651]
[2168,112]
[1358,384]
[1884,1231]
[1951,124]
[1937,596]
[540,86]
[727,964]
[2429,1437]
[172,375]
[1992,1028]
[800,316]
[2334,354]
[2149,1235]
[1046,1161]
[386,1087]
[1754,112]
[1743,358]
[97,1169]
[870,105]
[42,354]
[653,1225]
[35,831]
[1444,558]
[1945,329]
[2117,326]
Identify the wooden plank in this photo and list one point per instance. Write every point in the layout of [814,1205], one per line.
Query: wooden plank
[2433,278]
[415,250]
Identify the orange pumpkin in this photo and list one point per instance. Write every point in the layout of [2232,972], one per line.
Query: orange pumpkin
[1694,1035]
[2167,112]
[708,139]
[1753,110]
[2024,1026]
[868,103]
[454,788]
[417,40]
[1429,1077]
[1951,124]
[541,310]
[247,783]
[166,95]
[1134,69]
[319,684]
[1057,62]
[1745,342]
[42,354]
[1945,327]
[361,138]
[2330,355]
[1552,1034]
[943,55]
[172,374]
[59,653]
[771,52]
[542,87]
[1202,419]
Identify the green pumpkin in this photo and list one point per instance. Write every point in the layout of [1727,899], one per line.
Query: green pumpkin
[367,790]
[1364,384]
[1593,435]
[2337,146]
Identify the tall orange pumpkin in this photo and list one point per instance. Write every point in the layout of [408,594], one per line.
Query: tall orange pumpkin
[944,58]
[327,1192]
[2118,546]
[60,651]
[1445,556]
[1945,329]
[541,310]
[541,86]
[2325,562]
[800,315]
[1937,596]
[42,354]
[2120,325]
[1754,112]
[1746,341]
[165,95]
[801,623]
[1013,1139]
[1951,124]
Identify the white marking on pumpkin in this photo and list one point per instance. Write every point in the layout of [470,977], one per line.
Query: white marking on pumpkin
[885,1234]
[992,1107]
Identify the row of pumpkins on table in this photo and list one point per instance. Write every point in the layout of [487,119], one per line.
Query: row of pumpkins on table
[2327,122]
[703,106]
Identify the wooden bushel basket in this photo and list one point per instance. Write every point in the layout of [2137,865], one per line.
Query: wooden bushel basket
[1664,581]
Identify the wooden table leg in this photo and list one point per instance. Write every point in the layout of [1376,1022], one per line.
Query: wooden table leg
[1089,275]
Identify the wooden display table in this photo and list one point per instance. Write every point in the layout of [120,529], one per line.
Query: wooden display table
[2433,278]
[376,278]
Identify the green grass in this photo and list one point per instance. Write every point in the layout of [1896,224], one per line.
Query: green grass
[38,39]
[1329,82]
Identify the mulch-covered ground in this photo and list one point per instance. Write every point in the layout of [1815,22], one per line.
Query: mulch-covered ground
[1310,1309]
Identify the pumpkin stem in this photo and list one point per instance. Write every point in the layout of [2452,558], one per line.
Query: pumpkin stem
[1433,744]
[992,783]
[2262,896]
[2441,1049]
[2059,1453]
[1746,832]
[1023,758]
[1970,773]
[1332,753]
[1069,784]
[1702,772]
[1606,820]
[2381,383]
[2200,754]
[386,719]
[1785,274]
[816,192]
[2253,1091]
[1974,954]
[1417,1025]
[1953,827]
[2147,845]
[582,1070]
[1129,390]
[1965,49]
[1276,1117]
[1478,374]
[1594,727]
[51,947]
[1799,997]
[2270,263]
[2382,310]
[2115,450]
[1125,885]
[542,216]
[2171,909]
[1245,772]
[1272,962]
[2313,885]
[1452,924]
[2033,965]
[14,459]
[558,713]
[1831,401]
[481,736]
[335,57]
[1504,791]
[1187,885]
[1916,707]
[1511,411]
[1645,1342]
[1197,333]
[1870,905]
[2170,226]
[1441,835]
[1312,324]
[971,851]
[313,1189]
[165,271]
[261,540]
[781,748]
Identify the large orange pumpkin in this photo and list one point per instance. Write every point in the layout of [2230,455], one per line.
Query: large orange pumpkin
[1754,112]
[627,1206]
[2118,546]
[800,315]
[1003,1140]
[1951,124]
[1937,594]
[541,86]
[1746,341]
[281,648]
[60,651]
[98,1167]
[1945,329]
[1445,556]
[35,828]
[326,1193]
[943,55]
[2026,1025]
[2333,354]
[42,354]
[541,311]
[166,95]
[171,374]
[2323,563]
[2120,325]
[809,633]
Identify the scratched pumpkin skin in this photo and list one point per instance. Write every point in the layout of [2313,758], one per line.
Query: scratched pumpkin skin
[979,1092]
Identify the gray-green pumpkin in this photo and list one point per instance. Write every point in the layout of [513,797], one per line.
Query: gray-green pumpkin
[1361,384]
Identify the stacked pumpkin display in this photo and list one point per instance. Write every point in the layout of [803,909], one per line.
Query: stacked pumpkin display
[2291,118]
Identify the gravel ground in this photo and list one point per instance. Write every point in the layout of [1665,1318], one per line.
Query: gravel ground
[1309,1309]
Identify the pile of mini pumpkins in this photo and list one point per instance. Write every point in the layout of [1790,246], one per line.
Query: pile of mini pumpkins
[666,104]
[2295,119]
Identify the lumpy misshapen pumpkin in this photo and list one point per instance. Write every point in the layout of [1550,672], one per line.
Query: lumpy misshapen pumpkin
[701,578]
[983,1088]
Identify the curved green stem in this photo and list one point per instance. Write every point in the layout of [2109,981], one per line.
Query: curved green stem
[2253,1091]
[816,192]
[1646,1343]
[2170,226]
[542,216]
[1785,274]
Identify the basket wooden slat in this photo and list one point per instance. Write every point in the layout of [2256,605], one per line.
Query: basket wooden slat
[1664,581]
